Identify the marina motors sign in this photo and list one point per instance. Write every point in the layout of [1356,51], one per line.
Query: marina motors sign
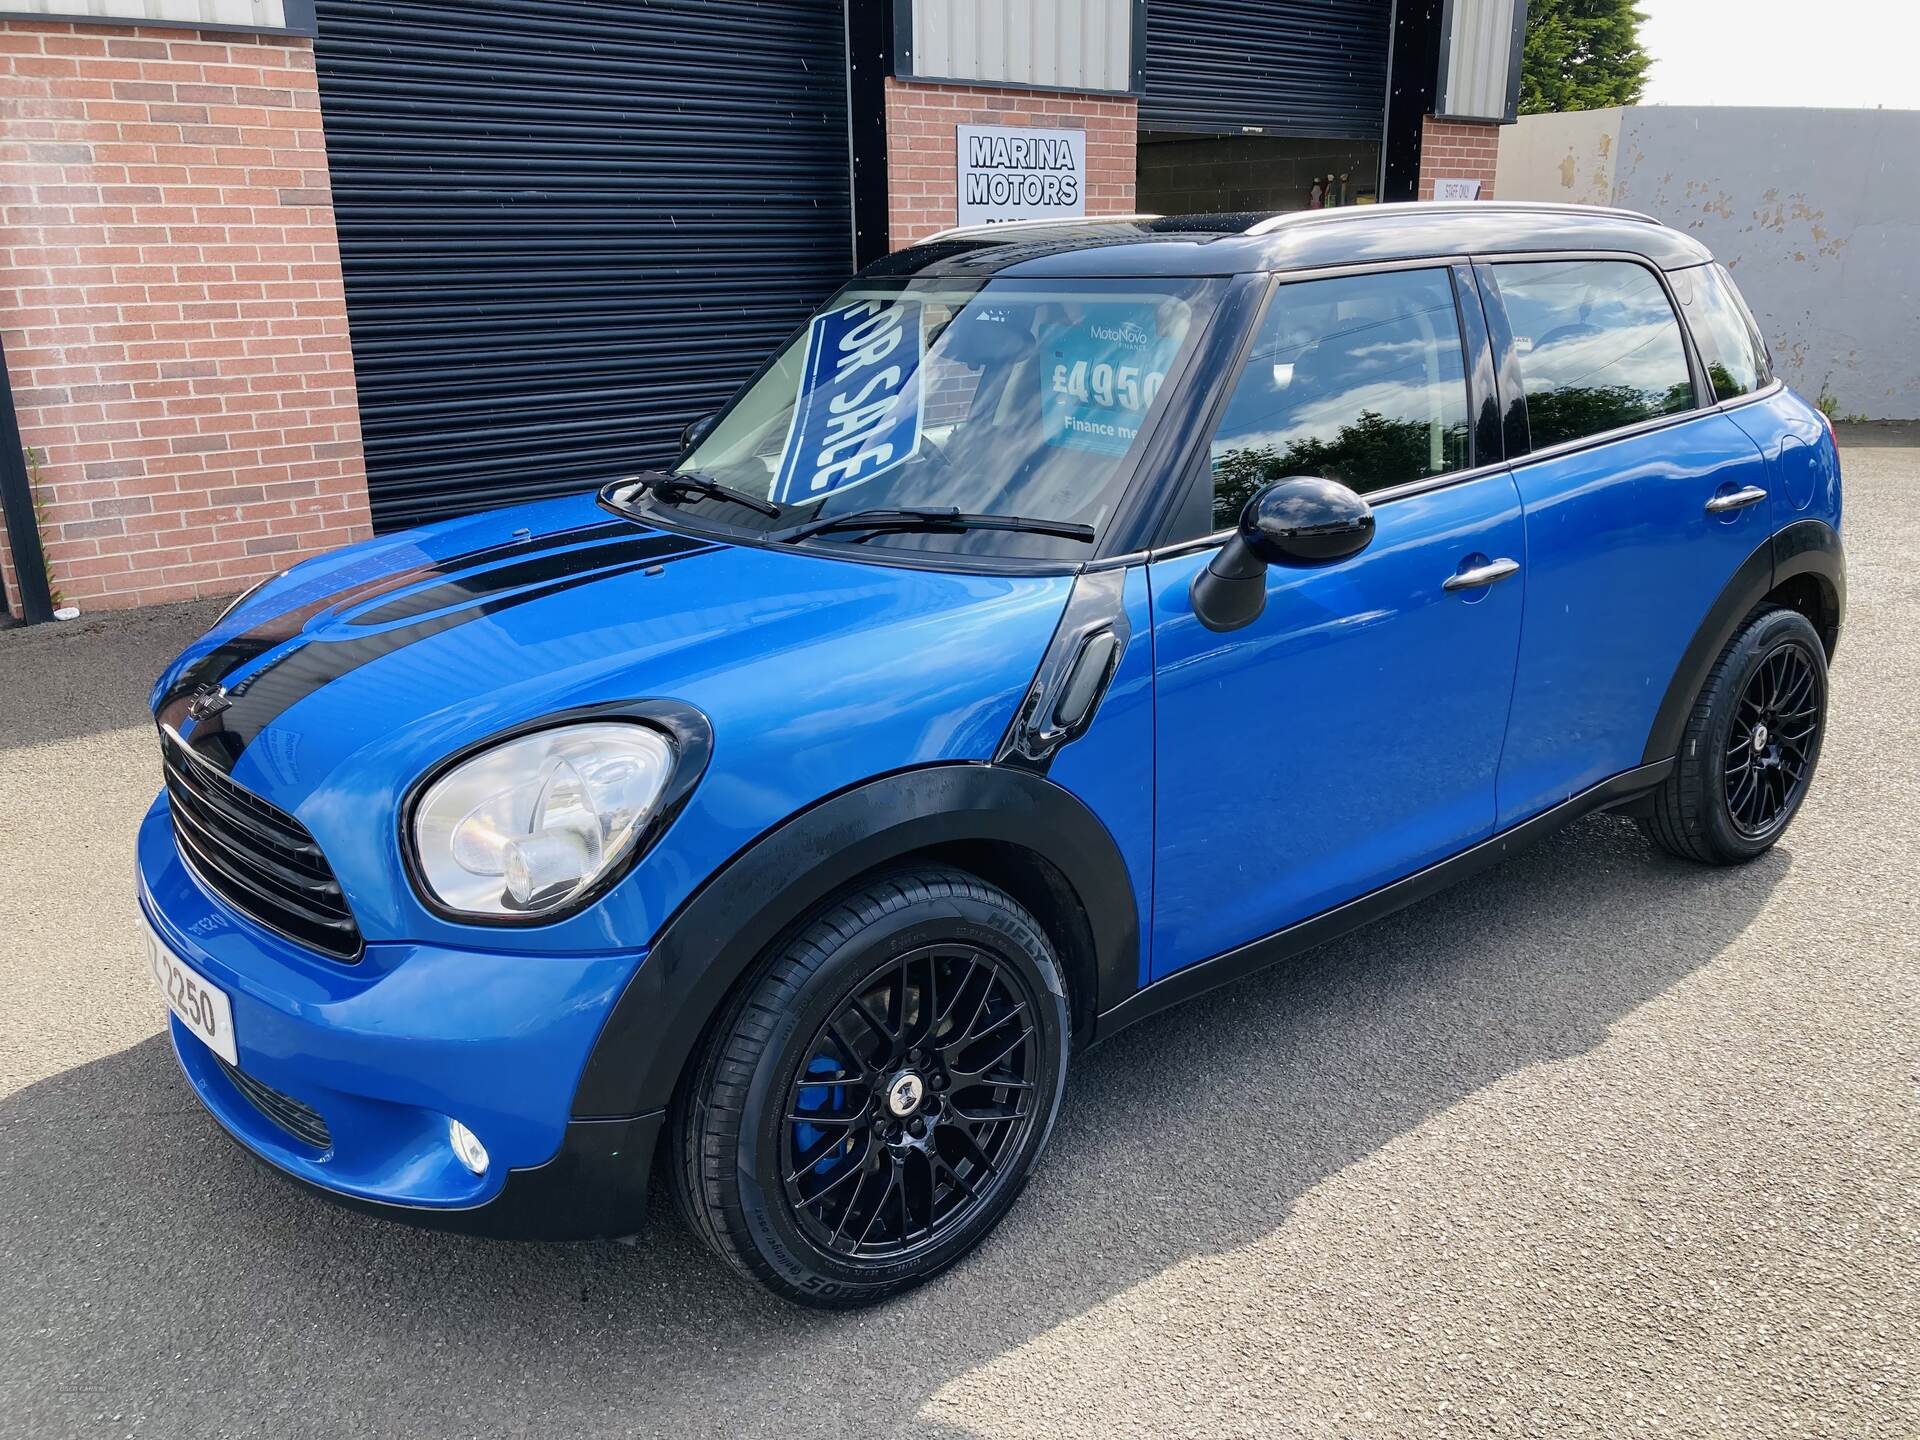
[1012,173]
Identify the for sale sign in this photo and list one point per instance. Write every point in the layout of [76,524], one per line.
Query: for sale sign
[1013,173]
[860,402]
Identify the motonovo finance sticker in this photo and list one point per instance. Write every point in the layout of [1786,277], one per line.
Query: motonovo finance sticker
[1101,374]
[860,401]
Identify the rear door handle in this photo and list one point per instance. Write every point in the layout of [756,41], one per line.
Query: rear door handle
[1737,500]
[1486,574]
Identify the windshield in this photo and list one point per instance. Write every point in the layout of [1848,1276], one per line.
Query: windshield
[997,397]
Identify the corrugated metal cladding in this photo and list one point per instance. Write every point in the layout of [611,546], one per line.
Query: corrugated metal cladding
[1079,44]
[1476,80]
[1302,67]
[569,227]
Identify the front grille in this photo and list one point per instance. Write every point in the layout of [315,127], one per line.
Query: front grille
[300,1121]
[255,856]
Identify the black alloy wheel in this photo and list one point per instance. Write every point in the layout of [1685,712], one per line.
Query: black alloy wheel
[911,1098]
[871,1102]
[1775,730]
[1751,744]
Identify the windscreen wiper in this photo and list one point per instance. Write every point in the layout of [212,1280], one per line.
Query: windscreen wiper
[937,517]
[678,486]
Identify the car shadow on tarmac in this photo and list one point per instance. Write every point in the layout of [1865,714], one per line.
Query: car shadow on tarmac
[153,1273]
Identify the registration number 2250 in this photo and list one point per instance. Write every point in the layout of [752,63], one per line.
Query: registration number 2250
[202,1006]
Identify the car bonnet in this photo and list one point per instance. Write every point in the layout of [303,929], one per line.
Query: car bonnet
[334,692]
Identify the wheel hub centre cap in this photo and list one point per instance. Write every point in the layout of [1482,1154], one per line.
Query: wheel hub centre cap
[905,1093]
[1760,737]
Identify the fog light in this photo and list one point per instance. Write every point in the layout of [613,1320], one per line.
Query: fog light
[467,1146]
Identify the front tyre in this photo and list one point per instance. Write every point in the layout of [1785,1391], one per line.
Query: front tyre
[1750,747]
[873,1101]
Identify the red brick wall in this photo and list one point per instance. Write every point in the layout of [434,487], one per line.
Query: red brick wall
[1458,150]
[171,304]
[923,163]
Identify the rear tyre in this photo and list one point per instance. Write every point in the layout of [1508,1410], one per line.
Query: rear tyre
[1750,747]
[872,1102]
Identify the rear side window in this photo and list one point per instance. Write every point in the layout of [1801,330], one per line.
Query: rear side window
[1358,379]
[1735,356]
[1598,346]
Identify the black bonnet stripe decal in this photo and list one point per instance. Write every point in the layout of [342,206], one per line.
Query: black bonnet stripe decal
[243,649]
[480,584]
[268,693]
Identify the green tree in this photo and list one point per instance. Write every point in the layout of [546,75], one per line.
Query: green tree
[1582,55]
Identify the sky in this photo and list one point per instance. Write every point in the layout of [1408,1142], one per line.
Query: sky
[1853,53]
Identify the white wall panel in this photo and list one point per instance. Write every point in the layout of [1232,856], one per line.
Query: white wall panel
[250,14]
[1070,44]
[1476,75]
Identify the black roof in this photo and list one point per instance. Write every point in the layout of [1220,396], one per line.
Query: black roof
[1246,243]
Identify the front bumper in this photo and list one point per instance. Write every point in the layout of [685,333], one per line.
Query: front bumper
[386,1051]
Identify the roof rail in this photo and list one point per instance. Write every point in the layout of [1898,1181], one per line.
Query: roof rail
[1000,227]
[1526,207]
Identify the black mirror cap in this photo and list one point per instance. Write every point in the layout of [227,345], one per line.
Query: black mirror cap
[695,432]
[1306,520]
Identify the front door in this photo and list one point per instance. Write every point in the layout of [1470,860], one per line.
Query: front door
[1351,734]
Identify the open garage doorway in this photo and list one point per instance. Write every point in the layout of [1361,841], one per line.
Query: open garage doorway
[1184,174]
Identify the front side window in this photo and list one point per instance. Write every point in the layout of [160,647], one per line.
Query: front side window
[1736,359]
[1359,379]
[1000,397]
[1598,346]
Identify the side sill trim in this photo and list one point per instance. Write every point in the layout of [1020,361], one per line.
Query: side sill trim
[1207,975]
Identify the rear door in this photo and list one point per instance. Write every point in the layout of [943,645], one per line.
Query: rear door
[1640,506]
[1790,433]
[1349,735]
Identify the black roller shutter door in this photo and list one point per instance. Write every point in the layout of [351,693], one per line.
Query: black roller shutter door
[1282,67]
[568,228]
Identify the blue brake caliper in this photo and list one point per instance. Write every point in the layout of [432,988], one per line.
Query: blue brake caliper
[824,1100]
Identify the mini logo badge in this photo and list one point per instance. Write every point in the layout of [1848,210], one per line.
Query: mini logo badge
[208,703]
[903,1096]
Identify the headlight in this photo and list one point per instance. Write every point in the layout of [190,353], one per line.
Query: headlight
[527,827]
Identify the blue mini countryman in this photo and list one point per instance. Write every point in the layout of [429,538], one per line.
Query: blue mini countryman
[1070,618]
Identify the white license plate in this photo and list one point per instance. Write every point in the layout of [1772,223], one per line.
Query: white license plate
[202,1006]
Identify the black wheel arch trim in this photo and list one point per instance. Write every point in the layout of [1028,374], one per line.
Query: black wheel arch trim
[1806,547]
[775,883]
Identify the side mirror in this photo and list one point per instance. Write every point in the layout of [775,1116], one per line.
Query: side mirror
[1302,520]
[695,432]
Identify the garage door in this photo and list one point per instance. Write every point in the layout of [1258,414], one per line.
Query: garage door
[568,228]
[1231,67]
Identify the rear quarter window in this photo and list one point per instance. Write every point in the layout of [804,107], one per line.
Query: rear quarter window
[1598,346]
[1729,343]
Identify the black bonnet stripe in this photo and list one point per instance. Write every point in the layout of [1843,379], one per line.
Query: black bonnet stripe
[480,584]
[230,655]
[268,693]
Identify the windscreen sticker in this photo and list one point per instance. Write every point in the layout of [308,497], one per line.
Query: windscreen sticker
[861,399]
[1103,370]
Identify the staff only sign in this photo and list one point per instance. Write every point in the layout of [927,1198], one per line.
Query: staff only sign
[1011,173]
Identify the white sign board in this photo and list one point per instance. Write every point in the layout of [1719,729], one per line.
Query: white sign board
[1009,172]
[1456,189]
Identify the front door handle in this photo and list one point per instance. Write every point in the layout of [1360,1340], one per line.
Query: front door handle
[1737,500]
[1485,574]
